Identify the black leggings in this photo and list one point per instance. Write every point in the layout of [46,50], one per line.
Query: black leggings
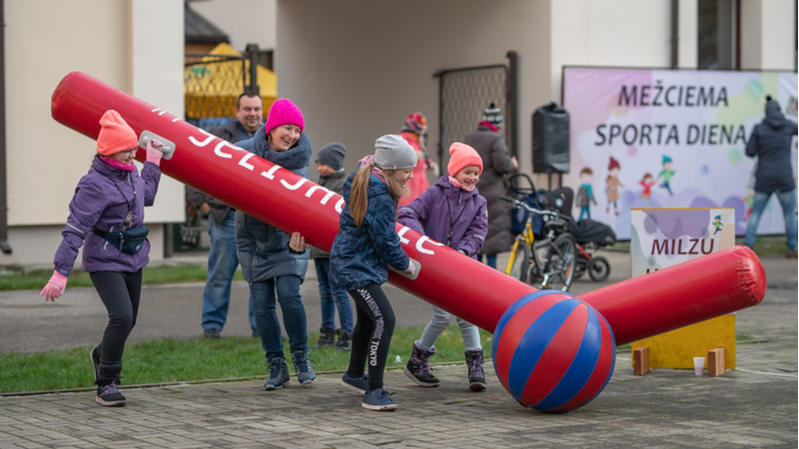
[120,293]
[372,334]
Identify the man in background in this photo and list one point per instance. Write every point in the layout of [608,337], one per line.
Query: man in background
[222,258]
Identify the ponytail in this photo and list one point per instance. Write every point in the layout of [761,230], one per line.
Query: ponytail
[359,194]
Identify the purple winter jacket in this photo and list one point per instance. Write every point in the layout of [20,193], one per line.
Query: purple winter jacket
[99,204]
[445,212]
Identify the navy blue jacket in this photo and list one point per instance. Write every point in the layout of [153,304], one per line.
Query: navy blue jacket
[263,250]
[361,256]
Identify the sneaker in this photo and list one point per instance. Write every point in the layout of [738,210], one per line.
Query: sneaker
[211,333]
[109,395]
[302,365]
[278,374]
[359,384]
[378,400]
[95,358]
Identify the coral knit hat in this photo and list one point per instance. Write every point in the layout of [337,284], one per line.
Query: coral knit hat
[461,156]
[115,134]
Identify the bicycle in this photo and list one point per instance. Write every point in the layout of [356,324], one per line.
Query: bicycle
[547,262]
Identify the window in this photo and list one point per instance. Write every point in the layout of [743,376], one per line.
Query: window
[717,34]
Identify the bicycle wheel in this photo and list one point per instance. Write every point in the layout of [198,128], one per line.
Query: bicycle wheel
[560,262]
[599,268]
[520,263]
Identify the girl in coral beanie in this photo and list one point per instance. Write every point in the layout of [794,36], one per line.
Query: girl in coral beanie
[106,217]
[454,213]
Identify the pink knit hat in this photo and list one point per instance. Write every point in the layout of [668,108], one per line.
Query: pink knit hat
[115,134]
[283,112]
[461,156]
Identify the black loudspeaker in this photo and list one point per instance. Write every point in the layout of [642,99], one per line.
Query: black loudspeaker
[550,139]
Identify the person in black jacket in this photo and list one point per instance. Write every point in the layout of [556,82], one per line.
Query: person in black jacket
[771,142]
[222,258]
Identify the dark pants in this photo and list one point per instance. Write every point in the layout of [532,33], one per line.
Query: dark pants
[120,293]
[372,334]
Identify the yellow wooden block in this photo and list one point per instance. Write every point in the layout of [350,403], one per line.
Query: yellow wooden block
[677,348]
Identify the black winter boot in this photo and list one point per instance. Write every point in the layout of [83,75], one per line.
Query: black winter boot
[418,367]
[327,337]
[344,342]
[474,361]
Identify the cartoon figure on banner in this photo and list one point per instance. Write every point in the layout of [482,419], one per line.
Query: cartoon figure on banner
[647,182]
[717,224]
[666,173]
[585,194]
[612,185]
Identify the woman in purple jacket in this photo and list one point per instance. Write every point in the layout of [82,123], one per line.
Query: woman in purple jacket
[454,213]
[106,215]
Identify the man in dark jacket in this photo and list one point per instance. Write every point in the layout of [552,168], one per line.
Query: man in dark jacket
[771,143]
[222,258]
[496,163]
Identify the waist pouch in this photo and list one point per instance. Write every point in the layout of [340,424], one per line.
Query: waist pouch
[129,241]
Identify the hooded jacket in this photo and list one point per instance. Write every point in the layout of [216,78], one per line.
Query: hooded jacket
[771,141]
[263,250]
[450,215]
[102,200]
[361,256]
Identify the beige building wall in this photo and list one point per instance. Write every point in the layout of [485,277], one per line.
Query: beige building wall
[44,41]
[768,34]
[358,68]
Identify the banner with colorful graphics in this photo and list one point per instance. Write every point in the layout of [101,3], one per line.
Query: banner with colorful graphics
[660,238]
[643,138]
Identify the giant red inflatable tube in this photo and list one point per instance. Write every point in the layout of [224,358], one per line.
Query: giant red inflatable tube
[637,308]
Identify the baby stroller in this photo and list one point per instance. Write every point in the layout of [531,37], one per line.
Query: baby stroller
[590,235]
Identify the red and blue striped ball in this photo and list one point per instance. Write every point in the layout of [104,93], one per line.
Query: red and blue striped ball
[553,352]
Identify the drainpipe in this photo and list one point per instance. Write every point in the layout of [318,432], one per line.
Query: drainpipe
[4,246]
[675,34]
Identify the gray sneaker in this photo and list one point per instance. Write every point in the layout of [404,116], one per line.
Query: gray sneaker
[278,374]
[302,365]
[378,400]
[359,384]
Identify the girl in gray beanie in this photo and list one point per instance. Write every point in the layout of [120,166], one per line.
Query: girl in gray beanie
[366,246]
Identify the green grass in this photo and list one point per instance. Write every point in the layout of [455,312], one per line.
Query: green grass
[170,360]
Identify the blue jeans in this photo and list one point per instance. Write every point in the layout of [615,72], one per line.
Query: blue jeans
[439,323]
[222,264]
[491,260]
[332,297]
[788,203]
[287,289]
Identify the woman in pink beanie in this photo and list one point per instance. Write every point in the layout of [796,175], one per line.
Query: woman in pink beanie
[271,261]
[454,213]
[106,217]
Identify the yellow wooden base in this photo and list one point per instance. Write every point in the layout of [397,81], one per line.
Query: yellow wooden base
[677,348]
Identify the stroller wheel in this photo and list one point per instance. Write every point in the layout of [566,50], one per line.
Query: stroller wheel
[598,268]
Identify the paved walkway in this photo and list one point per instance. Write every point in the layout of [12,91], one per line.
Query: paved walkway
[753,406]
